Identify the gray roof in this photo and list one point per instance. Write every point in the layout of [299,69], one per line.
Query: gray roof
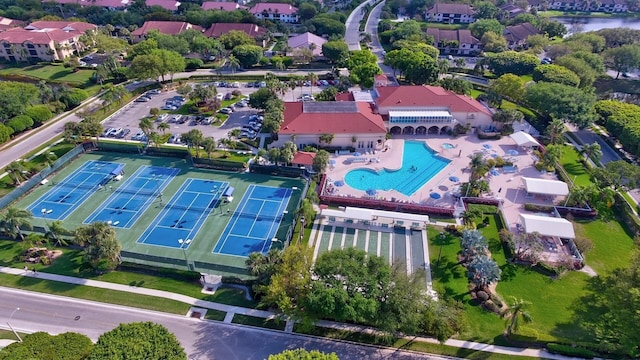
[451,9]
[519,32]
[462,36]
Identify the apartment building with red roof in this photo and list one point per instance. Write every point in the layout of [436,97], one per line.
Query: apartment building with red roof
[281,12]
[425,109]
[43,41]
[222,6]
[164,27]
[171,5]
[455,42]
[109,4]
[451,13]
[305,122]
[6,23]
[258,33]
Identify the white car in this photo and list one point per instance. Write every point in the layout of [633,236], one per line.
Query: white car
[169,107]
[226,111]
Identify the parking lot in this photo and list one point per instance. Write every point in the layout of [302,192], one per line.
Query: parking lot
[128,118]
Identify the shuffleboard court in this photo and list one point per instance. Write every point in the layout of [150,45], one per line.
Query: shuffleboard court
[184,214]
[133,197]
[252,226]
[67,195]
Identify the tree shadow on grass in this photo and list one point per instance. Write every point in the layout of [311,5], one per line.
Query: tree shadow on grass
[59,75]
[509,271]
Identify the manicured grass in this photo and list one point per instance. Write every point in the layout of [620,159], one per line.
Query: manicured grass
[215,315]
[95,294]
[612,244]
[526,78]
[8,334]
[552,300]
[570,161]
[258,322]
[69,262]
[57,73]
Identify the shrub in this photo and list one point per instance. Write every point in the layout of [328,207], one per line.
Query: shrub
[491,306]
[39,113]
[74,98]
[236,93]
[570,351]
[583,244]
[492,136]
[193,64]
[524,334]
[20,123]
[5,133]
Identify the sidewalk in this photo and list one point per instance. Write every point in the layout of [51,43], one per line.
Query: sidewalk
[232,310]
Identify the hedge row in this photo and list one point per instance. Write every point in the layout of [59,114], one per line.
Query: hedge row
[570,351]
[622,120]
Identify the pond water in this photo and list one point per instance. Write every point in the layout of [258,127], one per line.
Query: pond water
[585,24]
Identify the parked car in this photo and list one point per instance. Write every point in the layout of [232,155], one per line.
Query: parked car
[143,99]
[175,138]
[162,117]
[220,96]
[124,133]
[107,132]
[263,84]
[154,92]
[226,111]
[228,96]
[169,107]
[137,135]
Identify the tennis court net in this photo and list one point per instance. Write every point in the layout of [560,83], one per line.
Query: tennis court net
[137,191]
[258,217]
[200,209]
[77,186]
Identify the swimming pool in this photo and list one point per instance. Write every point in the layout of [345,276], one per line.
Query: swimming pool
[447,146]
[419,165]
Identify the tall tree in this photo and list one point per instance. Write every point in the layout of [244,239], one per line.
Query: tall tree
[13,219]
[482,271]
[623,59]
[141,340]
[101,248]
[555,131]
[17,171]
[562,102]
[592,151]
[193,139]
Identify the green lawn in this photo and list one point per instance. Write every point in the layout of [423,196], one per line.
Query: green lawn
[8,334]
[258,322]
[57,73]
[570,161]
[612,244]
[552,300]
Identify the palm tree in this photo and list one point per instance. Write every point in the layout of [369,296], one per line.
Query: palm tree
[16,170]
[477,166]
[592,151]
[233,63]
[483,271]
[163,126]
[209,145]
[555,131]
[552,154]
[13,219]
[516,312]
[45,91]
[146,125]
[56,230]
[312,77]
[473,243]
[101,248]
[193,138]
[50,157]
[469,216]
[443,66]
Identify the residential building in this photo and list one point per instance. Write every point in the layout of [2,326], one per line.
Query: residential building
[275,11]
[109,4]
[307,41]
[517,35]
[455,42]
[424,109]
[303,159]
[6,23]
[451,13]
[222,6]
[352,124]
[510,11]
[164,27]
[256,32]
[43,41]
[610,6]
[381,80]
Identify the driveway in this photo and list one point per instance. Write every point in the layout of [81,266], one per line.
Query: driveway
[352,35]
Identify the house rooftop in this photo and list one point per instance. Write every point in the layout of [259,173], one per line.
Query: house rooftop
[329,117]
[222,5]
[218,29]
[304,158]
[164,27]
[424,96]
[462,36]
[463,9]
[274,8]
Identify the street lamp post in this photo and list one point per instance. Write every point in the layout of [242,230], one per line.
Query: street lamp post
[11,327]
[275,240]
[184,243]
[44,213]
[442,237]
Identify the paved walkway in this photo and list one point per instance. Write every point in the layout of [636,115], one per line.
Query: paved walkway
[232,310]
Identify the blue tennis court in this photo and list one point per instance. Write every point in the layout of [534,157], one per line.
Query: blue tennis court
[255,222]
[133,197]
[184,214]
[67,195]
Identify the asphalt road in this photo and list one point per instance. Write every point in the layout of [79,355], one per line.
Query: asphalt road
[202,340]
[352,35]
[376,48]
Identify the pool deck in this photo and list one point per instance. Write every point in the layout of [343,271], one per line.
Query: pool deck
[506,187]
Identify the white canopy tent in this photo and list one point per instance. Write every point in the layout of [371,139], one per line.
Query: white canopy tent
[545,187]
[548,226]
[376,216]
[524,139]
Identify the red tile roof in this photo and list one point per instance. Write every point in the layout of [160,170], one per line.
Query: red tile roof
[171,5]
[304,158]
[345,96]
[70,26]
[115,4]
[222,5]
[164,27]
[274,8]
[426,96]
[331,117]
[6,23]
[19,36]
[218,29]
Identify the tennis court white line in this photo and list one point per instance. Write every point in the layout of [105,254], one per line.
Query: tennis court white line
[280,211]
[249,237]
[246,201]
